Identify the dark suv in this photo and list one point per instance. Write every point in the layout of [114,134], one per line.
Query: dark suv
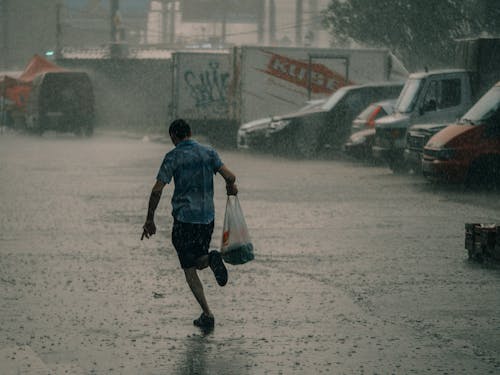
[61,101]
[306,133]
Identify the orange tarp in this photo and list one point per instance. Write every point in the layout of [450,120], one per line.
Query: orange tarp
[38,65]
[17,89]
[18,94]
[14,91]
[7,81]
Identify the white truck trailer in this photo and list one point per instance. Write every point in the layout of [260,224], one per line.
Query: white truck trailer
[217,91]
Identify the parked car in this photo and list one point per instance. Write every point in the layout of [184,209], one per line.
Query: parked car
[308,132]
[366,119]
[255,134]
[469,151]
[362,136]
[417,137]
[252,135]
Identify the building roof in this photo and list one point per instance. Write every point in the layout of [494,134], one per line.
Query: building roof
[104,53]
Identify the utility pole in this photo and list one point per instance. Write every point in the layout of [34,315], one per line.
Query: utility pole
[313,9]
[224,24]
[4,58]
[298,22]
[272,22]
[117,47]
[172,22]
[314,14]
[164,6]
[260,21]
[58,30]
[4,17]
[114,14]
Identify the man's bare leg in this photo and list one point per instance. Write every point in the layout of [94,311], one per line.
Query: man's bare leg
[197,288]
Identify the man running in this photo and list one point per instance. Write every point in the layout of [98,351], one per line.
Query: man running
[192,166]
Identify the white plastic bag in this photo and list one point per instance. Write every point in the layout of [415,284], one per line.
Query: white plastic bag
[236,247]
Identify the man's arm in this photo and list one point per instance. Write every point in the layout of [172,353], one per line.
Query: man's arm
[149,227]
[230,178]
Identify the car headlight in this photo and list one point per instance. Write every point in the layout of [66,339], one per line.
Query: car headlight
[357,139]
[279,125]
[444,154]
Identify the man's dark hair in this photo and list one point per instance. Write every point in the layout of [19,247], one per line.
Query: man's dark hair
[180,129]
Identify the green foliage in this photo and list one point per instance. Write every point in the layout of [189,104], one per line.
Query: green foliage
[419,32]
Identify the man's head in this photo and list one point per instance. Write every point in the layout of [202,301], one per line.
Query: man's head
[179,130]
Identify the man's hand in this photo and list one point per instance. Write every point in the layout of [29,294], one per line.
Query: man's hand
[230,178]
[149,228]
[231,189]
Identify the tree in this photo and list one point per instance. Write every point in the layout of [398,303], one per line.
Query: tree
[420,32]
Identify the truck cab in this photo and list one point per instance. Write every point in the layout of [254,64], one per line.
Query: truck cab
[417,137]
[428,97]
[468,151]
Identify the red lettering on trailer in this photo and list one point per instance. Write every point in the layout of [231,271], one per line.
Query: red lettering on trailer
[323,79]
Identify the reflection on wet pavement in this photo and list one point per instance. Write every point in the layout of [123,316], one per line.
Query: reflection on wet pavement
[357,271]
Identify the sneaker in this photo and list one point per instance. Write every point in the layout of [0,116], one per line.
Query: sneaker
[204,321]
[217,265]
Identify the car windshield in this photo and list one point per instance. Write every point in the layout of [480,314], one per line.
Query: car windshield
[334,99]
[409,95]
[484,109]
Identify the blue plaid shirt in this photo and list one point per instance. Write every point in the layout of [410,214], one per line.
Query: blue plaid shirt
[192,166]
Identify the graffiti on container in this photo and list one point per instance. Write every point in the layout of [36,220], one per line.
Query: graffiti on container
[209,87]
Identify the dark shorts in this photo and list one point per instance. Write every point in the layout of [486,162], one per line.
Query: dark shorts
[191,241]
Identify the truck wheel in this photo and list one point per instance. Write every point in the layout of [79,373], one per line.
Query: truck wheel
[306,141]
[477,175]
[417,169]
[38,128]
[495,172]
[87,130]
[470,254]
[84,127]
[484,173]
[473,175]
[479,256]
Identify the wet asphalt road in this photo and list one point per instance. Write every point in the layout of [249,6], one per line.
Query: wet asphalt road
[357,271]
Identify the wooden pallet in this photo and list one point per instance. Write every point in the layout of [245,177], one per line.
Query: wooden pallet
[482,241]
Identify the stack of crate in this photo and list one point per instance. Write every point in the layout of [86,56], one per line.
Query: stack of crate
[482,241]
